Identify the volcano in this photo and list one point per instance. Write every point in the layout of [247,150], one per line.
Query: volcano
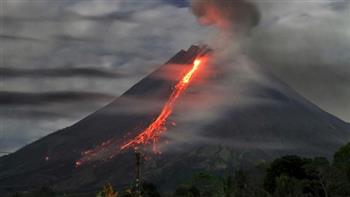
[285,123]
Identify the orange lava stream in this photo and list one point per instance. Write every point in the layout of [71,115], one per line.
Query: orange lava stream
[154,130]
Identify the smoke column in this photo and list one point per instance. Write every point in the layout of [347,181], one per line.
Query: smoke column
[234,16]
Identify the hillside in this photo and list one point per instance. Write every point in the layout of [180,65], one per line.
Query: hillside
[285,124]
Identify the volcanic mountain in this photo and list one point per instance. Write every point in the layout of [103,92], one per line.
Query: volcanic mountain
[281,122]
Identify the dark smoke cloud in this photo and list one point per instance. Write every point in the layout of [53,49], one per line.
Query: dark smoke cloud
[236,16]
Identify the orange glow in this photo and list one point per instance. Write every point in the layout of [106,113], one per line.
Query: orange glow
[155,129]
[188,76]
[110,148]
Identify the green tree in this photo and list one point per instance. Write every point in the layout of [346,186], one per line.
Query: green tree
[149,190]
[318,171]
[44,192]
[341,159]
[186,191]
[241,183]
[207,185]
[340,172]
[291,166]
[16,195]
[288,187]
[229,186]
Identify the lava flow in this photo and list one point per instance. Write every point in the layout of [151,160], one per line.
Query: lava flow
[155,129]
[151,134]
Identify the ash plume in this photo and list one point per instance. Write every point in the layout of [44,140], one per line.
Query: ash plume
[235,16]
[304,43]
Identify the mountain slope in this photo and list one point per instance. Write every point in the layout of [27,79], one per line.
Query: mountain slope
[285,124]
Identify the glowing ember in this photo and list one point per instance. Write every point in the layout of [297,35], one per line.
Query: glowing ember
[78,163]
[154,130]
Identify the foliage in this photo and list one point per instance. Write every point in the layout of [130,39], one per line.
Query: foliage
[149,190]
[238,185]
[340,172]
[291,166]
[297,176]
[229,186]
[287,176]
[185,191]
[16,195]
[43,192]
[342,156]
[233,185]
[288,186]
[204,183]
[341,159]
[107,191]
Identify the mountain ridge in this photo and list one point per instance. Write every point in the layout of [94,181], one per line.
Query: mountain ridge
[242,135]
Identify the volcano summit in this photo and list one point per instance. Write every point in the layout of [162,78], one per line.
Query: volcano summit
[283,122]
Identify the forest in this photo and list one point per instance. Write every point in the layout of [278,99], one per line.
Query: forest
[287,176]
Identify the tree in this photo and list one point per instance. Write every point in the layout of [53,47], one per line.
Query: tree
[241,183]
[229,186]
[340,179]
[288,187]
[186,191]
[44,192]
[149,190]
[319,169]
[291,166]
[202,184]
[16,195]
[341,159]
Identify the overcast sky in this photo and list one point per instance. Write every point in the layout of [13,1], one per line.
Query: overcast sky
[63,59]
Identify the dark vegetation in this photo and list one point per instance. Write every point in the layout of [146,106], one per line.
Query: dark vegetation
[287,176]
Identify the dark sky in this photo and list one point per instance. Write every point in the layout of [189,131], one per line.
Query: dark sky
[61,60]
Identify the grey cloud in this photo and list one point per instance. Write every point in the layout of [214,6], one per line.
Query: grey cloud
[58,72]
[103,46]
[16,133]
[306,44]
[28,114]
[68,38]
[21,98]
[94,41]
[339,5]
[24,123]
[18,38]
[133,39]
[59,84]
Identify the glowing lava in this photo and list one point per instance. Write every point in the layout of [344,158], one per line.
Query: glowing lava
[155,129]
[151,134]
